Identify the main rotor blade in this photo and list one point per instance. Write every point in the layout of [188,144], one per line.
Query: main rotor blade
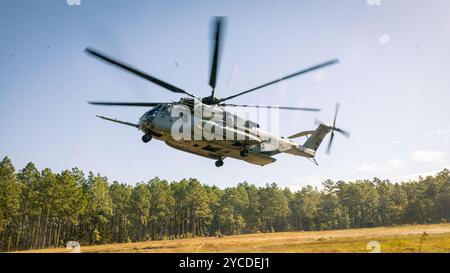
[309,69]
[270,106]
[142,104]
[217,37]
[135,71]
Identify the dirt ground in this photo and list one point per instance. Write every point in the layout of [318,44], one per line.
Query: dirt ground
[417,238]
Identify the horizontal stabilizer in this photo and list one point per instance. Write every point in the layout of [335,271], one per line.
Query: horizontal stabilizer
[119,121]
[304,133]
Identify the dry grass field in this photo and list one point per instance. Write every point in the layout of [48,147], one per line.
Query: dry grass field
[417,238]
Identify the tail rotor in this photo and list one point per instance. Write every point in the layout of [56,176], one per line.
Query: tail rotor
[333,129]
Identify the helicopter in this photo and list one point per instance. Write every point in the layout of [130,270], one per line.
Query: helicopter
[219,134]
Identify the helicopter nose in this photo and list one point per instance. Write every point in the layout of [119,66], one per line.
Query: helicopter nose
[145,122]
[145,125]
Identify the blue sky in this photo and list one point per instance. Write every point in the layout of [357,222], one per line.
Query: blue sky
[392,83]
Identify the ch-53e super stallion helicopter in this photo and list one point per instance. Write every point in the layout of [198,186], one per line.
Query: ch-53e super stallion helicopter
[248,141]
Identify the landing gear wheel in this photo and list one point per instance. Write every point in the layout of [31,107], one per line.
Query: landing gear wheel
[244,153]
[146,138]
[219,163]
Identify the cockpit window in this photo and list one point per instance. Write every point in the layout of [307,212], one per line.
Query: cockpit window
[152,113]
[165,110]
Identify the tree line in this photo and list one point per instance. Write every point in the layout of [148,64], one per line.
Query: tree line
[41,209]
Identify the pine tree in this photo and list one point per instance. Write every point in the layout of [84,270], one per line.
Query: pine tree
[140,212]
[162,205]
[9,203]
[120,220]
[98,209]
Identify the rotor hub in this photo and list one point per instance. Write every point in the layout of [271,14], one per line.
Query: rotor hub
[210,100]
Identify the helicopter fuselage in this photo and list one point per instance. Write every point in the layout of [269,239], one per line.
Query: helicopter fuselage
[229,136]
